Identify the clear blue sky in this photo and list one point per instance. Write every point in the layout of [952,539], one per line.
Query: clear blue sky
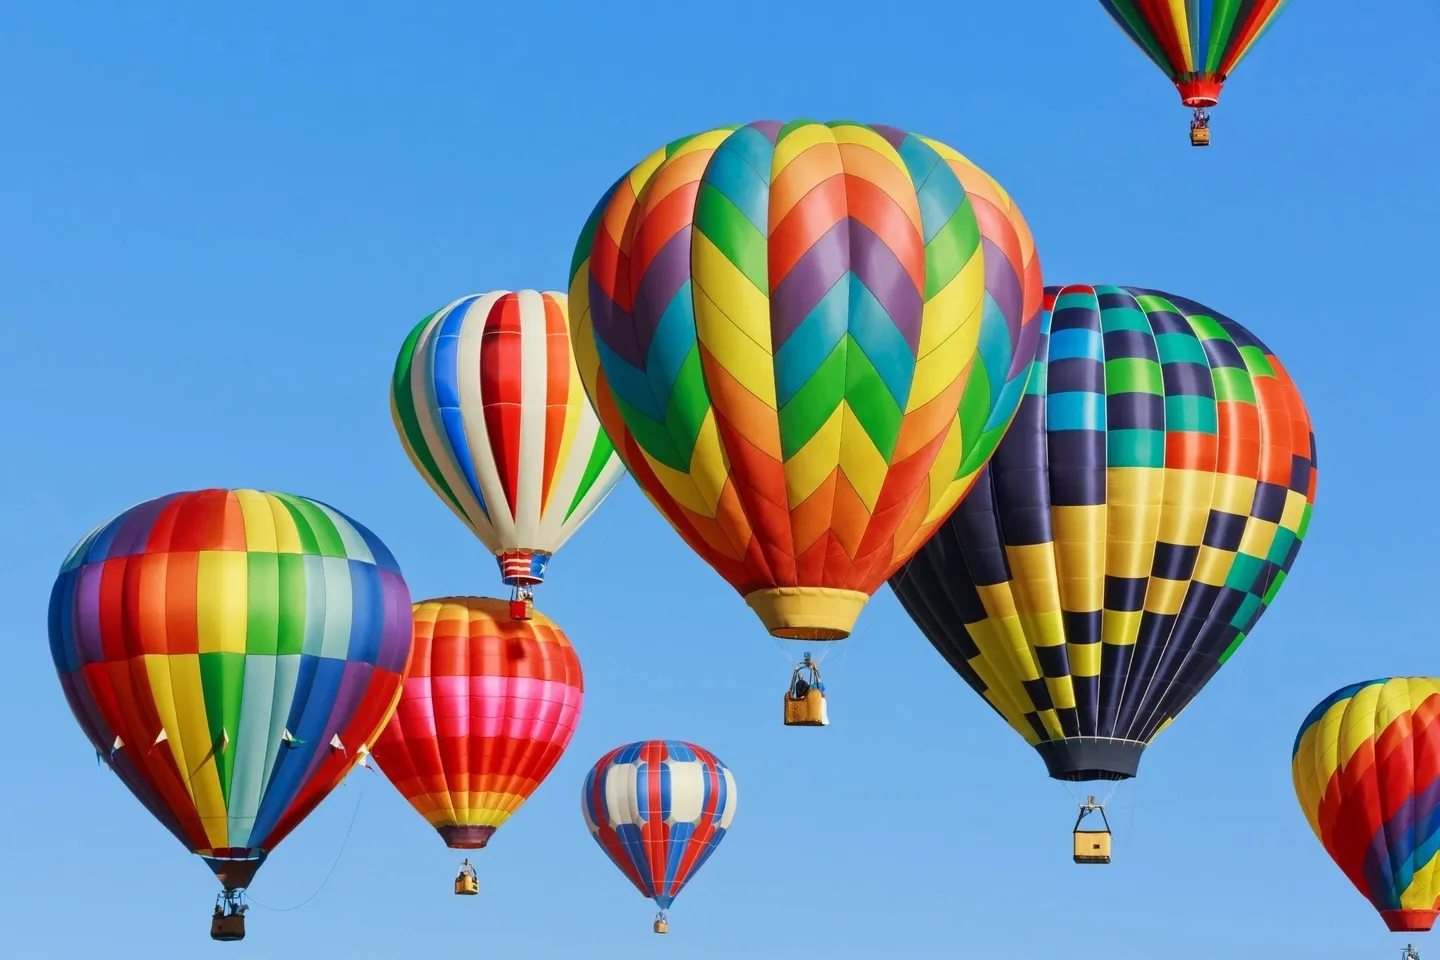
[217,227]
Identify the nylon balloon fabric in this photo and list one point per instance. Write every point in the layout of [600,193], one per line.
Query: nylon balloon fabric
[1138,518]
[1366,766]
[233,653]
[1197,43]
[805,339]
[490,705]
[659,809]
[490,409]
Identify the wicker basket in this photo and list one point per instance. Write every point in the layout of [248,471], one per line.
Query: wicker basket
[807,711]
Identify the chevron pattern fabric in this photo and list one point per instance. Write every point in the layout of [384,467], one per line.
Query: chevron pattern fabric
[805,340]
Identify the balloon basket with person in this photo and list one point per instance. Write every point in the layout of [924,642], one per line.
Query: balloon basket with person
[805,697]
[227,923]
[467,881]
[1200,128]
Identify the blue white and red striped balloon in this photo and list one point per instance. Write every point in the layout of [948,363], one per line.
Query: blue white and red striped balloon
[490,409]
[659,808]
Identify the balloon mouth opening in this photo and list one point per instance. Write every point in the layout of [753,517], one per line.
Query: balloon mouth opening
[808,613]
[465,836]
[1078,759]
[1204,92]
[235,869]
[1409,921]
[809,633]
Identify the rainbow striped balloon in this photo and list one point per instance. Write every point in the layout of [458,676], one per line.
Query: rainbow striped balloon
[1196,44]
[1366,765]
[806,339]
[233,653]
[489,406]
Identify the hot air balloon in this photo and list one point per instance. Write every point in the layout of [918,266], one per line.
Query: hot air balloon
[805,340]
[1366,765]
[1138,518]
[490,704]
[231,654]
[1196,44]
[490,409]
[659,808]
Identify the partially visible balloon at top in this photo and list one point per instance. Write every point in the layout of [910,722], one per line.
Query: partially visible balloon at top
[806,339]
[488,405]
[1196,45]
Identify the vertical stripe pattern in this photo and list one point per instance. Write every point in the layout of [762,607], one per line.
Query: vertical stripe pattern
[806,338]
[1366,766]
[1139,516]
[489,407]
[659,808]
[1196,42]
[490,704]
[227,640]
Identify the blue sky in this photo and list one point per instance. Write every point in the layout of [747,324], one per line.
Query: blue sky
[216,228]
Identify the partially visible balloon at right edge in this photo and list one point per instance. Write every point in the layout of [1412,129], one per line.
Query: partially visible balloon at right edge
[659,809]
[1366,766]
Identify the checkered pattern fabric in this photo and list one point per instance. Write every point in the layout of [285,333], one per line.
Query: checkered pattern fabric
[1137,519]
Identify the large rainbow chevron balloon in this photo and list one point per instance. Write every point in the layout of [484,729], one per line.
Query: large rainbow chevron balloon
[805,339]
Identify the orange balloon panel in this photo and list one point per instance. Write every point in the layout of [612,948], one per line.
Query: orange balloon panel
[489,706]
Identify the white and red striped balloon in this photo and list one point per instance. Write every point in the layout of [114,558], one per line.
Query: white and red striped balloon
[489,406]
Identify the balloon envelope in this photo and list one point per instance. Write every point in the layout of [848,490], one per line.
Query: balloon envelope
[490,410]
[805,339]
[233,653]
[659,808]
[490,704]
[1138,518]
[1366,766]
[1197,45]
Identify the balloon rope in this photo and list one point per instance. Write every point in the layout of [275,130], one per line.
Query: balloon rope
[343,843]
[844,659]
